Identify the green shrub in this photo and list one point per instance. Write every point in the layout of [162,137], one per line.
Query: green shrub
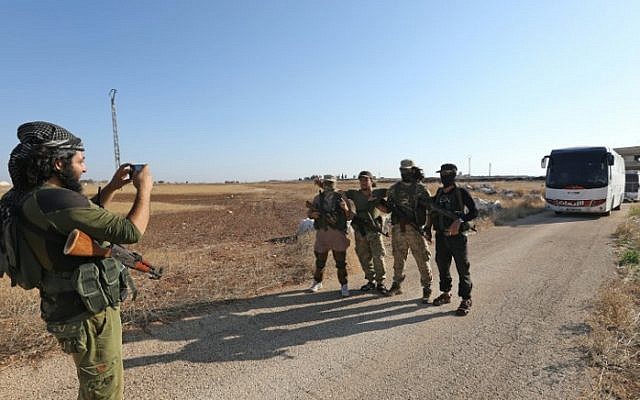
[629,257]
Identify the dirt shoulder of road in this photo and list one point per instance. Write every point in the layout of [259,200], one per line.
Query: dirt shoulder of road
[614,339]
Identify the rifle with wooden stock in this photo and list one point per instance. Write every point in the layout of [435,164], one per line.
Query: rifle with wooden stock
[82,245]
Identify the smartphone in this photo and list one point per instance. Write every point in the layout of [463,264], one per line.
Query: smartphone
[137,167]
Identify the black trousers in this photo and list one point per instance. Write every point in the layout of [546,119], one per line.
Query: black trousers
[341,264]
[448,247]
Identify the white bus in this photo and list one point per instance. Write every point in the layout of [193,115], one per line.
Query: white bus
[632,186]
[584,180]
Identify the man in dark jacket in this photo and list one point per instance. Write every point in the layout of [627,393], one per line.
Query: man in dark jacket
[451,238]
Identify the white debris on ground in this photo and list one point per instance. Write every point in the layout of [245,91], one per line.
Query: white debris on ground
[305,225]
[487,206]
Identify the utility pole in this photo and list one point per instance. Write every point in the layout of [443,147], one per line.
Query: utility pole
[489,169]
[469,158]
[114,122]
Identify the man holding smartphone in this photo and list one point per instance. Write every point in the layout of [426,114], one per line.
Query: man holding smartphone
[79,304]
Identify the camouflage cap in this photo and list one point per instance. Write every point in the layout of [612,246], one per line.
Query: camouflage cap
[330,178]
[407,164]
[447,169]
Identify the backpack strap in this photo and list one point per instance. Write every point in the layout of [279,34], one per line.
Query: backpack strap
[33,228]
[54,283]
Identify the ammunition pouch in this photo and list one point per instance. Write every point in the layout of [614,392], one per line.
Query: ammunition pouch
[98,284]
[71,336]
[110,279]
[86,281]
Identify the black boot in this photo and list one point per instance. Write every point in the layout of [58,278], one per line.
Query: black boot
[382,289]
[395,289]
[368,286]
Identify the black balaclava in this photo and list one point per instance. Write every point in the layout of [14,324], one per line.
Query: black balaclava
[407,175]
[447,179]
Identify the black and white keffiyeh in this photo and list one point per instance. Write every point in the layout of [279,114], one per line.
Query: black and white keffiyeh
[37,138]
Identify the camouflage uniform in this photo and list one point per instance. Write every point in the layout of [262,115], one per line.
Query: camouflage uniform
[369,245]
[410,198]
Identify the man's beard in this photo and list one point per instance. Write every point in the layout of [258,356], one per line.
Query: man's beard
[68,180]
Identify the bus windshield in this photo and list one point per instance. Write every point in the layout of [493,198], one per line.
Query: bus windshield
[583,169]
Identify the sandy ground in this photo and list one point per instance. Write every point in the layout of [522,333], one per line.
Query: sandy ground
[533,282]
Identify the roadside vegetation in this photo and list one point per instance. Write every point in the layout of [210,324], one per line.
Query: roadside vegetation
[614,340]
[218,243]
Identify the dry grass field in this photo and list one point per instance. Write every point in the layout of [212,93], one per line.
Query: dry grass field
[614,340]
[215,243]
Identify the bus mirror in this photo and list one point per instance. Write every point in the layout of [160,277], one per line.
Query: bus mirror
[610,159]
[543,162]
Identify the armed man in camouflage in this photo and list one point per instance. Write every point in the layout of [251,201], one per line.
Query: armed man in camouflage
[330,211]
[407,201]
[80,296]
[451,238]
[367,226]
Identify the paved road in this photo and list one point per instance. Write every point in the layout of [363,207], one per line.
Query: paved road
[533,281]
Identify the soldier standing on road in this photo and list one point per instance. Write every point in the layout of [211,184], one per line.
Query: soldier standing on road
[407,201]
[367,225]
[451,239]
[330,211]
[80,296]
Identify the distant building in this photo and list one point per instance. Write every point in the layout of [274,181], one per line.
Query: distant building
[631,157]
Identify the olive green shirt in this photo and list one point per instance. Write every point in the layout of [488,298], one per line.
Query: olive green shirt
[58,211]
[362,203]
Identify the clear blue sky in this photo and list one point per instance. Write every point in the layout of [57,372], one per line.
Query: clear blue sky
[253,90]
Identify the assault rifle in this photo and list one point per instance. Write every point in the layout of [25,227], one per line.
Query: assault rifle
[82,245]
[330,217]
[405,215]
[369,223]
[465,226]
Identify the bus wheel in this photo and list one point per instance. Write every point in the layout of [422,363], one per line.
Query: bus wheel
[558,212]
